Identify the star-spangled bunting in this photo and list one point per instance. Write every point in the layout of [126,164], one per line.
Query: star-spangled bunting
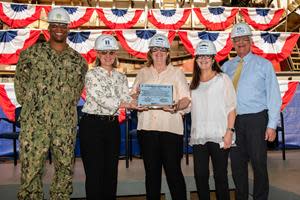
[274,46]
[262,18]
[19,15]
[12,42]
[168,19]
[222,41]
[216,18]
[136,42]
[119,18]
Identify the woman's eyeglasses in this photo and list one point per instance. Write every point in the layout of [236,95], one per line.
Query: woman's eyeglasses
[161,49]
[107,52]
[204,57]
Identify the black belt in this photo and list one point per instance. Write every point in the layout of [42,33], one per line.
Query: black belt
[101,117]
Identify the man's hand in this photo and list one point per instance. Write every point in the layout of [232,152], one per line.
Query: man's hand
[270,134]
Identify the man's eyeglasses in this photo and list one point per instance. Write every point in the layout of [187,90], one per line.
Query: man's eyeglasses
[107,52]
[58,25]
[241,39]
[204,57]
[161,49]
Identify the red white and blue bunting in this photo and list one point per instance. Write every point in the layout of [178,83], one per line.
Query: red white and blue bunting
[271,45]
[78,15]
[168,19]
[119,18]
[216,18]
[213,18]
[12,42]
[136,42]
[83,42]
[262,18]
[222,41]
[274,46]
[19,15]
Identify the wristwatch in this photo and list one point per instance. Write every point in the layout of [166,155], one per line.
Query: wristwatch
[231,129]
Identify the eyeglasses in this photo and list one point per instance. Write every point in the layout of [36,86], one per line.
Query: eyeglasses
[241,39]
[107,52]
[161,49]
[58,25]
[204,57]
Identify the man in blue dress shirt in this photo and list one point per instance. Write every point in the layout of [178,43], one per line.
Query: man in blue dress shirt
[258,108]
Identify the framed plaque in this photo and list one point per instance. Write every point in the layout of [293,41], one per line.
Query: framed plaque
[155,95]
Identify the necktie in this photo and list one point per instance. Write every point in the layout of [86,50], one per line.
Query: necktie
[237,74]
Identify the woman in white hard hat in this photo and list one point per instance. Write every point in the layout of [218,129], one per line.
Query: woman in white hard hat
[160,131]
[99,131]
[213,114]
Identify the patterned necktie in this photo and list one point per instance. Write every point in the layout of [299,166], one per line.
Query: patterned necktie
[237,74]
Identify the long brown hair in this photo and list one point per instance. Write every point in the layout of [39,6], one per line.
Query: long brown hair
[197,73]
[150,60]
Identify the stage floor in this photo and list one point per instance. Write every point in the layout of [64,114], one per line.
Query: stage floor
[284,178]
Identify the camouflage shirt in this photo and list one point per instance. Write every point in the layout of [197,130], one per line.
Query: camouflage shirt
[48,84]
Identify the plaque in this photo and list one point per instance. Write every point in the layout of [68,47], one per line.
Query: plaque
[155,96]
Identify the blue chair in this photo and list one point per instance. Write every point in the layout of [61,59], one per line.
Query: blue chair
[14,134]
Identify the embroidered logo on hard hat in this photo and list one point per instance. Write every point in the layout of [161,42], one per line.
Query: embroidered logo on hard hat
[58,16]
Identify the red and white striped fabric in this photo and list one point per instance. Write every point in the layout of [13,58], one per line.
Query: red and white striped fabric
[83,42]
[136,42]
[8,101]
[262,18]
[274,46]
[119,18]
[222,41]
[12,42]
[216,18]
[169,19]
[19,15]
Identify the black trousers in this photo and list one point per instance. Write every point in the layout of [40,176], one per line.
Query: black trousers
[219,158]
[251,145]
[162,149]
[100,145]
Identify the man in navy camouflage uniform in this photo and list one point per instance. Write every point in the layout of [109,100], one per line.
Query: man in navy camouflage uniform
[48,83]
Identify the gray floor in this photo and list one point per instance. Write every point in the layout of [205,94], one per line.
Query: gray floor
[284,178]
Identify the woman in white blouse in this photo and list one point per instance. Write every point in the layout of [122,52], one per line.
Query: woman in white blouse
[213,114]
[160,131]
[99,131]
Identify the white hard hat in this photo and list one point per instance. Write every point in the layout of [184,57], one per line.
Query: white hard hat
[159,40]
[241,29]
[206,47]
[58,15]
[106,42]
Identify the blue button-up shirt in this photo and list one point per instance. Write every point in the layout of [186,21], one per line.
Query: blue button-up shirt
[258,87]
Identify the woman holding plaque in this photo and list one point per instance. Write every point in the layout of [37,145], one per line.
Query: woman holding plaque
[160,130]
[99,131]
[213,116]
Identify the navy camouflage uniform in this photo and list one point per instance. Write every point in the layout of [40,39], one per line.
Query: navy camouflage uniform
[48,86]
